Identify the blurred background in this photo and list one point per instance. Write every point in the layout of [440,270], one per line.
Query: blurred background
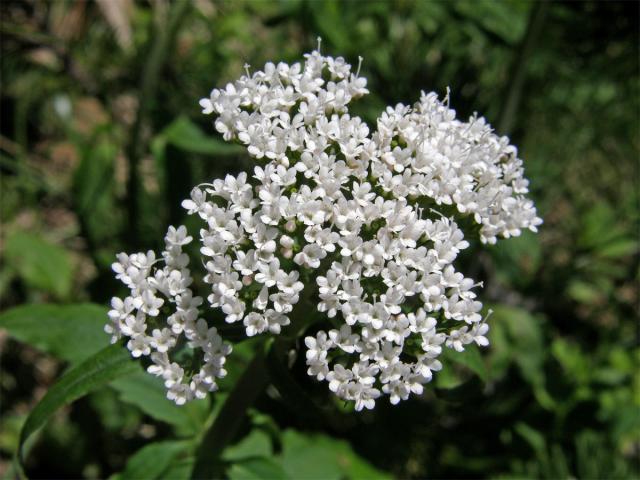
[101,138]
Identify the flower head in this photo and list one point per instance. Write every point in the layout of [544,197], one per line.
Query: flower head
[358,208]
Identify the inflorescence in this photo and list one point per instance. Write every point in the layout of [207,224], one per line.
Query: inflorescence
[358,212]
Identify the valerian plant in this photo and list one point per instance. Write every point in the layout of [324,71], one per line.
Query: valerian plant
[364,225]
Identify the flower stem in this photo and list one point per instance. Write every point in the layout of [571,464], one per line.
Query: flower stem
[519,68]
[248,388]
[163,37]
[250,385]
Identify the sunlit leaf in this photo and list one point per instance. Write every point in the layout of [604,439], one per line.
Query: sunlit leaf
[256,444]
[93,190]
[69,332]
[180,469]
[622,247]
[257,468]
[41,264]
[527,348]
[108,364]
[318,456]
[533,437]
[149,394]
[154,460]
[186,135]
[584,292]
[470,358]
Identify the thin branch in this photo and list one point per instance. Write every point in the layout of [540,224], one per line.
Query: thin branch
[245,392]
[519,67]
[165,35]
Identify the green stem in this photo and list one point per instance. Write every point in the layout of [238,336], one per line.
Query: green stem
[519,67]
[252,383]
[165,35]
[254,380]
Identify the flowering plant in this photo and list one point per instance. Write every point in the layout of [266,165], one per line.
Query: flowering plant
[365,226]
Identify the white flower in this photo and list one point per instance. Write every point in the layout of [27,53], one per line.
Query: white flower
[255,324]
[354,213]
[310,256]
[268,273]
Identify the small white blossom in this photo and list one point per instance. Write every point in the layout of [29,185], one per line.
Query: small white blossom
[344,217]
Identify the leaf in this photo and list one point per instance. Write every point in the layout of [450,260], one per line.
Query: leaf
[108,364]
[527,348]
[622,247]
[448,378]
[10,426]
[470,358]
[256,444]
[319,456]
[256,469]
[154,460]
[75,332]
[500,355]
[534,438]
[584,292]
[69,332]
[149,394]
[186,135]
[502,19]
[599,229]
[94,190]
[93,176]
[179,470]
[326,16]
[519,259]
[460,391]
[574,361]
[41,264]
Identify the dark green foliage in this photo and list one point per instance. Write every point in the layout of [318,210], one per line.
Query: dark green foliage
[89,95]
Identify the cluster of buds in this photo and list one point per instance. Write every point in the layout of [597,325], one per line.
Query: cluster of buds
[350,218]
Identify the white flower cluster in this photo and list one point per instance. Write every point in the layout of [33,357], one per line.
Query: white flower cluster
[426,152]
[141,311]
[346,213]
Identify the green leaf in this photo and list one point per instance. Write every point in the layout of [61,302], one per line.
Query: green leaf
[75,332]
[448,378]
[149,394]
[326,16]
[154,460]
[470,358]
[534,438]
[518,260]
[310,456]
[460,391]
[622,247]
[257,469]
[69,332]
[94,174]
[523,332]
[95,372]
[256,444]
[186,135]
[573,360]
[584,292]
[41,264]
[502,19]
[599,228]
[179,469]
[10,426]
[94,192]
[500,355]
[320,456]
